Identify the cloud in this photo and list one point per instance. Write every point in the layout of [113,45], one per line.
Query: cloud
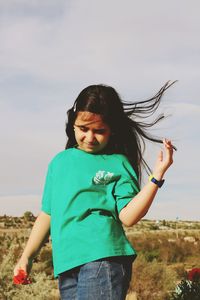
[22,8]
[28,142]
[105,44]
[51,50]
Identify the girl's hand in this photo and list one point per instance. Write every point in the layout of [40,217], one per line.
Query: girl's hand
[164,160]
[23,264]
[21,271]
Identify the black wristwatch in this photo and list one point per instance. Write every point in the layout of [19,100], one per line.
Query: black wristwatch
[159,183]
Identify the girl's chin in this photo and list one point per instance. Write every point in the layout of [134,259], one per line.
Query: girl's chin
[89,148]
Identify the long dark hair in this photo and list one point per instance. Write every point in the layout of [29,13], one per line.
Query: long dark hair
[128,134]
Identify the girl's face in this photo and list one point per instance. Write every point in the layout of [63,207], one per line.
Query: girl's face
[91,133]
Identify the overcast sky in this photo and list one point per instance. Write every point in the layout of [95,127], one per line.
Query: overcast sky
[50,50]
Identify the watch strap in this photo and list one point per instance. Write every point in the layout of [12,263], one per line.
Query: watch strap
[159,183]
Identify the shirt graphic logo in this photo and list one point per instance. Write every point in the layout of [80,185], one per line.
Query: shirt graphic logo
[103,177]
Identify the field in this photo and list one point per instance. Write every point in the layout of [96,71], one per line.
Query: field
[166,251]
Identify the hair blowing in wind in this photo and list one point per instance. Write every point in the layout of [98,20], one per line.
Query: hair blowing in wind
[128,121]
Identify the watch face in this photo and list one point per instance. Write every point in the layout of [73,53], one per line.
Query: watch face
[158,183]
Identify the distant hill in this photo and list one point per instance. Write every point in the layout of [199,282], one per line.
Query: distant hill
[28,219]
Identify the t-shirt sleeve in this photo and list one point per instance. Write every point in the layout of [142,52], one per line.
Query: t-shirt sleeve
[127,186]
[47,192]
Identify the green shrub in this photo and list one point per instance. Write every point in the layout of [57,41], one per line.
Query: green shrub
[151,255]
[187,290]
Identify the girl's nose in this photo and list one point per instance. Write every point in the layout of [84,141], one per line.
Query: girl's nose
[90,136]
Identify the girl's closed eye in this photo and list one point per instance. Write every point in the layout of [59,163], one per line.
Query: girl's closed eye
[97,131]
[100,131]
[83,128]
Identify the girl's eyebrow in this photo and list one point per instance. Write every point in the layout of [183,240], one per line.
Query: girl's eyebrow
[85,125]
[79,125]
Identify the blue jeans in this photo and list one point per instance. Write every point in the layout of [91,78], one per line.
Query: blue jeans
[103,279]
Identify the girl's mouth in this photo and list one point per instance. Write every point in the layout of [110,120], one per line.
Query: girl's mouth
[91,145]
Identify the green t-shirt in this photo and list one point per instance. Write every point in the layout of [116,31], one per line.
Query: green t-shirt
[84,194]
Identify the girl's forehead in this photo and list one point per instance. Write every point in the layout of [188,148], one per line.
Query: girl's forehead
[88,117]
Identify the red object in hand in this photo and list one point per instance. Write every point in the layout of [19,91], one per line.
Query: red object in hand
[194,274]
[21,278]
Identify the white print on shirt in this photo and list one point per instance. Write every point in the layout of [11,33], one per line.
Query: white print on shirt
[103,177]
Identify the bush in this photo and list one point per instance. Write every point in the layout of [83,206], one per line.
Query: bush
[165,247]
[187,290]
[42,288]
[151,280]
[151,255]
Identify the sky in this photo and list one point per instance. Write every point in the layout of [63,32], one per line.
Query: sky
[51,50]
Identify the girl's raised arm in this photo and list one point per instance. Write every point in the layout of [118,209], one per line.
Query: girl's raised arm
[39,234]
[140,204]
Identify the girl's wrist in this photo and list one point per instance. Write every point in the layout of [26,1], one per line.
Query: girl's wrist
[158,175]
[26,257]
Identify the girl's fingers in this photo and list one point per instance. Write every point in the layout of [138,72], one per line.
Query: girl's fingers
[169,150]
[168,144]
[19,267]
[16,270]
[164,158]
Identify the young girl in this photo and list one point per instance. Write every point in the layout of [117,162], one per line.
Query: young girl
[91,189]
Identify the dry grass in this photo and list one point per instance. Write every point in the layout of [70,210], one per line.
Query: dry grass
[164,256]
